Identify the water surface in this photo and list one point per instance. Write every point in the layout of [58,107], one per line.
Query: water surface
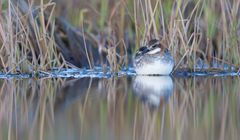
[126,107]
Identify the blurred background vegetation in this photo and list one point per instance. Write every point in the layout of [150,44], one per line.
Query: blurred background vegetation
[39,35]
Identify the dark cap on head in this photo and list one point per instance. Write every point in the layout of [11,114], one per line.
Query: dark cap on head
[153,42]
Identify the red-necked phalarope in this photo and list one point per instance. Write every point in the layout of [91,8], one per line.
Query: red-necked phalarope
[153,59]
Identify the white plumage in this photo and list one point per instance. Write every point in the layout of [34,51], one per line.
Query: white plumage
[158,67]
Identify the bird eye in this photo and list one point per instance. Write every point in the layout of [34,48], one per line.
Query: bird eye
[155,46]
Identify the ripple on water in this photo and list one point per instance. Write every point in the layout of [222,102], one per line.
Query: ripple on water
[99,72]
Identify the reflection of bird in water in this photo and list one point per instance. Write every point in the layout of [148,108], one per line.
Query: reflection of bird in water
[153,59]
[153,89]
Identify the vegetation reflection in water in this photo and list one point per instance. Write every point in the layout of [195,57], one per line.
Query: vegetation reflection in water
[120,108]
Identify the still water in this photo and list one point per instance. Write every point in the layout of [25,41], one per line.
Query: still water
[127,107]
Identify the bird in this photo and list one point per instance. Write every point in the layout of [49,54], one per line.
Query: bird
[153,59]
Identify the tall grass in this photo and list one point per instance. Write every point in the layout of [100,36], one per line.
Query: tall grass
[27,42]
[194,30]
